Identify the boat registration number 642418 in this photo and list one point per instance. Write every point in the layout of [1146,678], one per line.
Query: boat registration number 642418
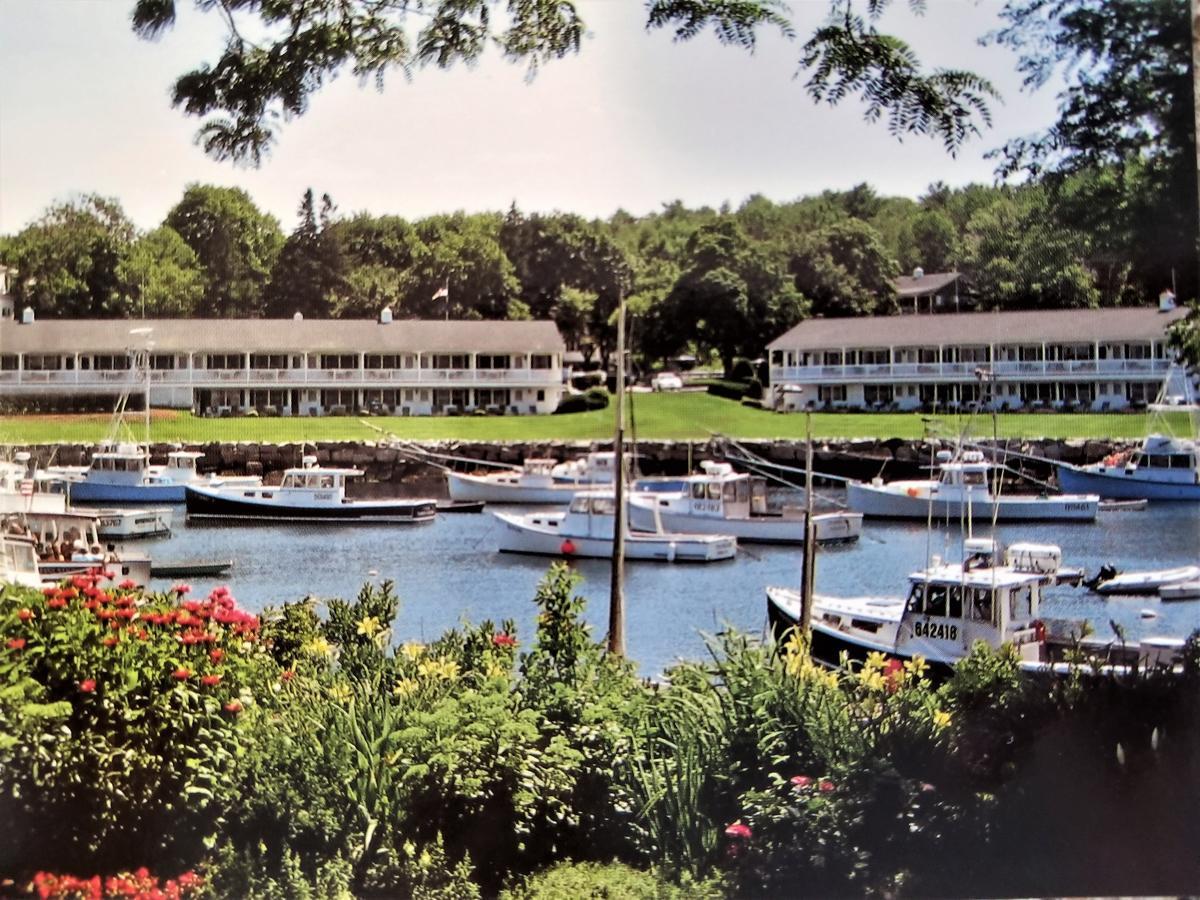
[939,631]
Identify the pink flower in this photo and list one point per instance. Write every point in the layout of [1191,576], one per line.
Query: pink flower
[127,585]
[210,680]
[504,640]
[738,832]
[801,782]
[88,686]
[826,786]
[181,588]
[16,644]
[233,706]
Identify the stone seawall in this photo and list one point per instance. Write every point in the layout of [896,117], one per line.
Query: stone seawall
[403,472]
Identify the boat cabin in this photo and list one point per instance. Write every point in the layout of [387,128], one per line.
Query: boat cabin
[969,473]
[718,493]
[596,468]
[591,514]
[1165,459]
[127,464]
[18,561]
[315,478]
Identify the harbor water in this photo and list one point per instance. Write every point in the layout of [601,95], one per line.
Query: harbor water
[449,571]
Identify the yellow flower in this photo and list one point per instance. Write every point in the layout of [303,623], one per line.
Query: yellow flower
[443,669]
[413,650]
[872,679]
[916,667]
[875,660]
[318,646]
[340,693]
[941,719]
[406,687]
[831,678]
[369,626]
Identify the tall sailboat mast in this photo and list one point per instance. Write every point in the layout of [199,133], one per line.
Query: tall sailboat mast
[616,603]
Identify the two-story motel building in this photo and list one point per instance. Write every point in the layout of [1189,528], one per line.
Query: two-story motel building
[1099,359]
[289,366]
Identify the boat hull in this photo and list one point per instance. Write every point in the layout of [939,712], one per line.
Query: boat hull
[883,504]
[828,527]
[1120,486]
[97,492]
[480,488]
[1147,582]
[518,537]
[210,504]
[125,524]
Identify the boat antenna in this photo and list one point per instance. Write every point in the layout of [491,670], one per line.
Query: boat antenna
[616,601]
[810,542]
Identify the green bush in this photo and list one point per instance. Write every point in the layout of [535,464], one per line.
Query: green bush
[730,390]
[592,398]
[606,881]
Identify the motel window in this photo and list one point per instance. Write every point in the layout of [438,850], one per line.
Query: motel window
[777,357]
[36,362]
[877,393]
[876,357]
[339,360]
[269,361]
[492,361]
[8,362]
[111,362]
[969,354]
[1137,351]
[223,361]
[1030,353]
[831,393]
[927,355]
[540,361]
[382,361]
[1141,391]
[444,361]
[162,361]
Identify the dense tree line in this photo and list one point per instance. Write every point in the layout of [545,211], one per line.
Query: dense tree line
[714,282]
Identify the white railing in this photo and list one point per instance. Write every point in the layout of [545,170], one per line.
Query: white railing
[967,370]
[253,378]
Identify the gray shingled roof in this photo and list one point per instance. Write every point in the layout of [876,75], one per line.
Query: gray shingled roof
[1035,326]
[929,283]
[281,336]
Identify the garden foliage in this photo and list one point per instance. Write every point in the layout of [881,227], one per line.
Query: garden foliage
[304,753]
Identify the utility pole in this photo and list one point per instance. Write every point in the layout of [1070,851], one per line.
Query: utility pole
[616,603]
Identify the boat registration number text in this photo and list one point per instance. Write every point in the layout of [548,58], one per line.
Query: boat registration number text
[939,631]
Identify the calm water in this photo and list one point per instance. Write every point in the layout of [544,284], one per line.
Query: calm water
[449,570]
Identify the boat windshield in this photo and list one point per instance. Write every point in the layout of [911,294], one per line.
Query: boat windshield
[931,599]
[596,506]
[973,478]
[18,556]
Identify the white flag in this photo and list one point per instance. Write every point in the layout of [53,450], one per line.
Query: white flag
[443,291]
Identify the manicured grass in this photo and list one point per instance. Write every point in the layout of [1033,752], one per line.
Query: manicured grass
[683,416]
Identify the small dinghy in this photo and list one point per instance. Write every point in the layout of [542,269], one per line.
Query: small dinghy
[1184,590]
[196,568]
[1110,581]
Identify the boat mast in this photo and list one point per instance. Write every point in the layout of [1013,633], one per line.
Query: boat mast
[616,603]
[810,533]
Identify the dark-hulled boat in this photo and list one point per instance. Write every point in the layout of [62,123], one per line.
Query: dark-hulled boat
[307,494]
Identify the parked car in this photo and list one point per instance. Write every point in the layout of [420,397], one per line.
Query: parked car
[666,381]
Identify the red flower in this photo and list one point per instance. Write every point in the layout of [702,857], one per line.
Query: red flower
[182,673]
[56,603]
[739,832]
[49,591]
[111,641]
[826,786]
[126,613]
[25,615]
[801,782]
[88,685]
[181,588]
[287,675]
[210,680]
[504,640]
[216,655]
[127,585]
[16,644]
[233,706]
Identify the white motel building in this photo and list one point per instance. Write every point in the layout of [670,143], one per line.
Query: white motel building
[1098,359]
[287,367]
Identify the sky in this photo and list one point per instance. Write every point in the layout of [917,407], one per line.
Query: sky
[633,122]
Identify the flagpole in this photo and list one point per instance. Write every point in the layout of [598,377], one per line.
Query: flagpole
[616,602]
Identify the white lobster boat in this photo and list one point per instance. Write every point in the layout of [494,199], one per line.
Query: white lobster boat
[124,475]
[721,501]
[963,485]
[538,481]
[1109,581]
[949,607]
[19,562]
[586,529]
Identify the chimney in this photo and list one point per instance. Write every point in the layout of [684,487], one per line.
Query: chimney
[27,316]
[1166,301]
[385,316]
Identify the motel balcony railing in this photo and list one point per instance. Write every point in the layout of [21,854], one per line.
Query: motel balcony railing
[84,378]
[1034,369]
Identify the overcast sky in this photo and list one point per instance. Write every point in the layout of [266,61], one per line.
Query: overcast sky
[633,122]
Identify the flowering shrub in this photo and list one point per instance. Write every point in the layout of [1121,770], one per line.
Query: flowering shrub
[118,720]
[139,885]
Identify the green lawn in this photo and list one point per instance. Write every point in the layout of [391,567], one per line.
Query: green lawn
[683,416]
